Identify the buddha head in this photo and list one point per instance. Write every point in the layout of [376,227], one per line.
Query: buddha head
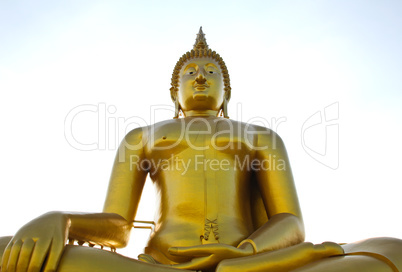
[200,81]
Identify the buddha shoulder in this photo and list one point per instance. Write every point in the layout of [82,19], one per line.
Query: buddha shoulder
[262,137]
[136,136]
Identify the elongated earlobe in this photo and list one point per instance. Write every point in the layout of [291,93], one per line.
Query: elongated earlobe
[176,109]
[225,108]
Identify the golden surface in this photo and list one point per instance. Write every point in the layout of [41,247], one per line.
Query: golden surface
[227,200]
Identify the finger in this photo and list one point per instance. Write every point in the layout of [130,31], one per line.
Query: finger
[4,241]
[6,256]
[39,254]
[334,248]
[25,255]
[203,250]
[14,254]
[54,255]
[197,263]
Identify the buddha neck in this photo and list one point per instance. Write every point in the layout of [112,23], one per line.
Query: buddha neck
[201,113]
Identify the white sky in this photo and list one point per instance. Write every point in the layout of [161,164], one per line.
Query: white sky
[286,59]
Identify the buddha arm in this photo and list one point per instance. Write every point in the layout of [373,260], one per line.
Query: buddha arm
[112,228]
[126,182]
[285,224]
[106,229]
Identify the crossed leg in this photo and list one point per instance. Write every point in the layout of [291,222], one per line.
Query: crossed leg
[377,254]
[80,259]
[83,259]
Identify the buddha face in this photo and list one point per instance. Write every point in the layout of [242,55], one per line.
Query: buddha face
[201,85]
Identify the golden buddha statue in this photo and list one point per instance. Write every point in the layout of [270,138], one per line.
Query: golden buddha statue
[223,204]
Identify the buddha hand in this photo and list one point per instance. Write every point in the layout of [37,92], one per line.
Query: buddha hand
[208,256]
[41,239]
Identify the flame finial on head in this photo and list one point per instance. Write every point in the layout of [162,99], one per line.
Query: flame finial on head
[200,41]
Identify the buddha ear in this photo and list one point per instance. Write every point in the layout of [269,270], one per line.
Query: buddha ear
[176,109]
[173,95]
[226,98]
[225,108]
[227,93]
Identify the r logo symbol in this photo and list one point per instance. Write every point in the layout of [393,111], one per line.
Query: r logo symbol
[320,136]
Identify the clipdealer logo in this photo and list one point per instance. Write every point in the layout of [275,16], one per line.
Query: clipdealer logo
[319,133]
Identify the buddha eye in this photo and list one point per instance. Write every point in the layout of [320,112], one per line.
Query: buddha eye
[211,70]
[191,72]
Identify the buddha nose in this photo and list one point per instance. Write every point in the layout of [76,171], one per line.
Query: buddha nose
[200,79]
